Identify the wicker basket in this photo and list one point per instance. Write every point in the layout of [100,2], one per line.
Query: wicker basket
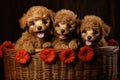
[102,67]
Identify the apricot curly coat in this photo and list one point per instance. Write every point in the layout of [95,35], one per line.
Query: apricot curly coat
[65,30]
[37,23]
[94,31]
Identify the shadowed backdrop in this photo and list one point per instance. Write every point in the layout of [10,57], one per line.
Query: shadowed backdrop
[12,10]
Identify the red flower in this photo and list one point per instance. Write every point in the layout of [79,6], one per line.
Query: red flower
[67,56]
[112,42]
[8,44]
[86,53]
[22,56]
[48,55]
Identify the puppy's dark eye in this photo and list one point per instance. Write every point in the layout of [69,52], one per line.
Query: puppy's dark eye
[84,31]
[68,26]
[32,23]
[95,31]
[57,25]
[44,21]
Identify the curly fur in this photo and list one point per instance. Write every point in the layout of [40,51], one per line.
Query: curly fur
[65,30]
[37,23]
[93,31]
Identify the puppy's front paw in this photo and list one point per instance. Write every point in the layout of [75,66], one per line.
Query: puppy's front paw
[31,51]
[73,45]
[47,45]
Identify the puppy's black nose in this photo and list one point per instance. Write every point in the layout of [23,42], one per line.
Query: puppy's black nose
[62,31]
[39,27]
[89,37]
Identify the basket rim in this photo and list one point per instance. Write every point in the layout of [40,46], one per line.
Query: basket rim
[109,48]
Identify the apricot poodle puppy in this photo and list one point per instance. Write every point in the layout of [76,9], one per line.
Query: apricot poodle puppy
[37,23]
[94,31]
[65,30]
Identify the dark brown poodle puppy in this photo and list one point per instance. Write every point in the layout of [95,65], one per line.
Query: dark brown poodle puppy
[93,31]
[37,23]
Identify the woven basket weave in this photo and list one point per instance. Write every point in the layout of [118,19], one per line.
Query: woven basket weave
[102,67]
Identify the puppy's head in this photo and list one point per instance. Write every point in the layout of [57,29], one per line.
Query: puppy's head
[93,29]
[37,20]
[65,23]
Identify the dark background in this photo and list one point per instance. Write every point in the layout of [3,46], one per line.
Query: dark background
[12,10]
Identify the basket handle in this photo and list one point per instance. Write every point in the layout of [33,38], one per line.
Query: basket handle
[57,50]
[7,50]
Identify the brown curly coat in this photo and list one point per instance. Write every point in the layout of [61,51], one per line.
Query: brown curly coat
[37,23]
[65,30]
[93,31]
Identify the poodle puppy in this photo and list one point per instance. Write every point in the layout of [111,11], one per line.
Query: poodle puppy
[37,23]
[93,31]
[65,30]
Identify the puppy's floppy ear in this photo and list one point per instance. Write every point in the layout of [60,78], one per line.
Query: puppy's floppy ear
[52,14]
[78,23]
[106,29]
[23,21]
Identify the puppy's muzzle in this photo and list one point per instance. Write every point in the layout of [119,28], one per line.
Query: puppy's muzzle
[89,37]
[39,28]
[62,31]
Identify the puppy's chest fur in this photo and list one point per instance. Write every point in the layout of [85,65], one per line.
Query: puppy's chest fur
[100,43]
[61,44]
[35,41]
[39,42]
